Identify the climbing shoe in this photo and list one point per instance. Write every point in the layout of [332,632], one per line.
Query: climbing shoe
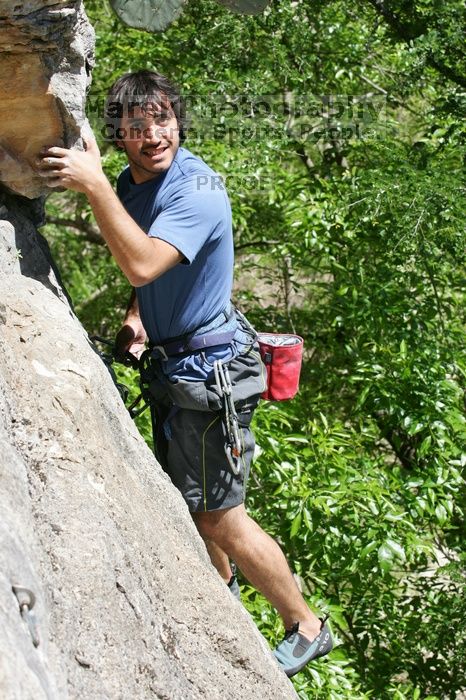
[295,651]
[233,584]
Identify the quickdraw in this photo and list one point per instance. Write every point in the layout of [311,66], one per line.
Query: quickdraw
[233,447]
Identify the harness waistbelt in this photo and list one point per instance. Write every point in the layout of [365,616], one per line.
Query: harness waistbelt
[192,343]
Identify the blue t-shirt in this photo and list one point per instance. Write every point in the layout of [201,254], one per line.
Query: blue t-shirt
[188,207]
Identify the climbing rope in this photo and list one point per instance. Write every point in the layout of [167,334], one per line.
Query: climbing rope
[128,360]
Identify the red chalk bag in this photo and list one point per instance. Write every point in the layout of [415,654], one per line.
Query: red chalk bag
[282,355]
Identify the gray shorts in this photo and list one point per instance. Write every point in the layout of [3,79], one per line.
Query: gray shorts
[189,439]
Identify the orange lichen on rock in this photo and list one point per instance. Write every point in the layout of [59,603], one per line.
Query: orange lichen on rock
[46,51]
[29,119]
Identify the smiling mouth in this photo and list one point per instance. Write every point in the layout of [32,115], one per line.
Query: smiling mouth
[154,152]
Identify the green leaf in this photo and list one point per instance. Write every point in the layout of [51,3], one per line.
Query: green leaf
[385,556]
[363,396]
[295,525]
[441,513]
[368,549]
[397,549]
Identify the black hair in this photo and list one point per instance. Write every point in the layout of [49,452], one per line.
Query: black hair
[141,89]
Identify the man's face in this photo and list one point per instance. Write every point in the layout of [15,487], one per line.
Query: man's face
[150,138]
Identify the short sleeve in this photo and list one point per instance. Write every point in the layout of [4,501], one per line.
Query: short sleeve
[194,210]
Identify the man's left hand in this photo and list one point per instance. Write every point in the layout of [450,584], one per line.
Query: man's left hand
[75,170]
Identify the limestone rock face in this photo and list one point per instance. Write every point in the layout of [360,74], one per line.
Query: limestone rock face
[127,604]
[106,590]
[46,55]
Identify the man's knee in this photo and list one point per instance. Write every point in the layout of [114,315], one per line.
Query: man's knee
[221,526]
[208,524]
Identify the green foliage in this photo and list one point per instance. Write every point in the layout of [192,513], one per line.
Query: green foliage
[349,222]
[363,536]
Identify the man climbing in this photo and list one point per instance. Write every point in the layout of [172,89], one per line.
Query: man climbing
[169,229]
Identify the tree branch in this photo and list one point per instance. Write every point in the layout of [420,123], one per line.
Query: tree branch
[404,31]
[91,298]
[299,146]
[409,32]
[447,71]
[89,231]
[252,244]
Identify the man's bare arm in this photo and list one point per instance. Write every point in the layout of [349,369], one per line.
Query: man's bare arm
[141,258]
[132,336]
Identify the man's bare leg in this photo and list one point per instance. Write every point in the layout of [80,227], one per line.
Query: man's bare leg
[219,559]
[261,561]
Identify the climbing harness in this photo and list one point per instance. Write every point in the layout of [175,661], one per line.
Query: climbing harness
[281,355]
[198,342]
[205,336]
[231,426]
[230,423]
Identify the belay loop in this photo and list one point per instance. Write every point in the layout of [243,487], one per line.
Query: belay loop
[233,448]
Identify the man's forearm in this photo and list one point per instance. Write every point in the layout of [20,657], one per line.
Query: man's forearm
[132,335]
[132,309]
[140,257]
